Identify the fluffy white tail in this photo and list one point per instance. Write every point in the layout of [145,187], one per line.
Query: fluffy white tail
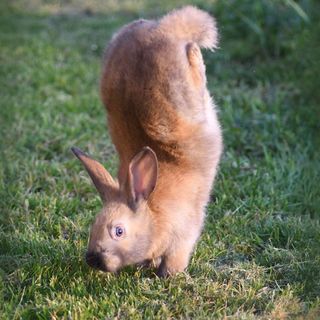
[192,25]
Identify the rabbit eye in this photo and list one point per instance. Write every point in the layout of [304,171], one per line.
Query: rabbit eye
[119,231]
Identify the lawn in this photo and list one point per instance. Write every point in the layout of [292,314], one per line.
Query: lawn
[259,254]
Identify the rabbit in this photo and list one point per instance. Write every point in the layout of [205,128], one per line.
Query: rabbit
[165,129]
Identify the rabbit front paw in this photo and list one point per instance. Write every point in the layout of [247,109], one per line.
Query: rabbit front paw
[173,264]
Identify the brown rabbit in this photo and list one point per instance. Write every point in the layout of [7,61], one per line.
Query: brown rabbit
[165,129]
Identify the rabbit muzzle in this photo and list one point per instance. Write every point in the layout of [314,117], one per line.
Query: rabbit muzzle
[96,260]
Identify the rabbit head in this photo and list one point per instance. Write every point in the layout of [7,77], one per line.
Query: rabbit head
[122,232]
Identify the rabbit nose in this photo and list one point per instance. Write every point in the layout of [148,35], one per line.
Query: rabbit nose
[95,260]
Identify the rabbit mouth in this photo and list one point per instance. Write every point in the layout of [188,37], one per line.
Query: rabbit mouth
[96,261]
[100,262]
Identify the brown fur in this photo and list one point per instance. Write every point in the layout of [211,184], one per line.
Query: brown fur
[154,88]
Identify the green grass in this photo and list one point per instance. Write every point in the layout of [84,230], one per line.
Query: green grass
[259,255]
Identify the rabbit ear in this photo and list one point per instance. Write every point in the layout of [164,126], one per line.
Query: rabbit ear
[143,174]
[101,178]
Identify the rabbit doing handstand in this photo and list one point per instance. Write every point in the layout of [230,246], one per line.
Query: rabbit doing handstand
[163,124]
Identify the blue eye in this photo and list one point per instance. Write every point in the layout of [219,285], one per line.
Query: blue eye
[119,232]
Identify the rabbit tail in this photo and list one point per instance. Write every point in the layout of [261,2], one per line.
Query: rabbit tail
[192,25]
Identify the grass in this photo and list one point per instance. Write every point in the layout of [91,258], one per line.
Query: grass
[259,255]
